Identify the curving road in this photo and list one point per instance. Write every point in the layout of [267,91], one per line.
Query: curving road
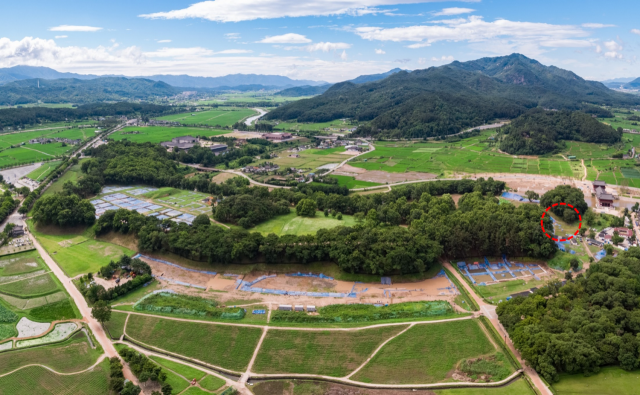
[250,120]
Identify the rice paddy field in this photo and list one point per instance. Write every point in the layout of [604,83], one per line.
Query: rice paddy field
[426,353]
[292,224]
[352,183]
[229,347]
[29,153]
[469,156]
[320,352]
[75,250]
[158,134]
[213,117]
[620,120]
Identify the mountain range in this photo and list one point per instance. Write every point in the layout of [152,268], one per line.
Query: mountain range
[444,100]
[18,73]
[309,90]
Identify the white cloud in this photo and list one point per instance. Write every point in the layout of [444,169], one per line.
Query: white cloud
[635,31]
[422,61]
[325,47]
[614,50]
[596,25]
[235,51]
[403,61]
[72,28]
[62,36]
[247,10]
[164,41]
[454,11]
[197,61]
[380,52]
[232,36]
[289,38]
[443,59]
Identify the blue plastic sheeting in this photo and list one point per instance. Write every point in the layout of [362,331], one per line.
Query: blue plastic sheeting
[259,312]
[310,275]
[174,265]
[180,282]
[600,254]
[385,280]
[461,264]
[572,252]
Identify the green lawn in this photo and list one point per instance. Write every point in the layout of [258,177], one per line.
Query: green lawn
[38,380]
[610,380]
[321,352]
[158,134]
[211,383]
[115,326]
[291,224]
[75,250]
[31,153]
[183,370]
[352,183]
[229,347]
[24,262]
[43,171]
[70,356]
[426,353]
[74,174]
[31,287]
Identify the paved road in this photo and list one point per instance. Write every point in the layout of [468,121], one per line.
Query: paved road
[95,326]
[16,173]
[489,311]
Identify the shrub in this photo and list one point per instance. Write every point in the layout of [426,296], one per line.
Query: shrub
[187,305]
[7,315]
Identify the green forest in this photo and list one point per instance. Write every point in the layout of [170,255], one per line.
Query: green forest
[540,132]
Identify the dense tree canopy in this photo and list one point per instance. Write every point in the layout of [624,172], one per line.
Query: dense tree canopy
[63,210]
[540,132]
[565,194]
[590,322]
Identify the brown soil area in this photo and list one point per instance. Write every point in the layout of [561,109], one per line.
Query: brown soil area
[116,238]
[349,153]
[349,170]
[175,273]
[222,177]
[381,176]
[282,387]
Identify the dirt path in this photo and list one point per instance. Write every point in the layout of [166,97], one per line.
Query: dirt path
[247,373]
[489,312]
[585,170]
[100,359]
[44,153]
[95,326]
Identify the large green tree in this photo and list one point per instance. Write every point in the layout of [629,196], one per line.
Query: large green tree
[565,194]
[306,208]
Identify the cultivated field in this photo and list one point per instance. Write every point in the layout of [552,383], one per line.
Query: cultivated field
[333,126]
[326,353]
[426,353]
[229,347]
[158,134]
[29,153]
[610,380]
[292,224]
[214,117]
[310,159]
[43,171]
[352,183]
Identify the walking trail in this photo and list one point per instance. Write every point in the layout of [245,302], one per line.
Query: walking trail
[489,311]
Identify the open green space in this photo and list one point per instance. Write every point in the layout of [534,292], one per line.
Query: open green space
[211,383]
[215,117]
[177,383]
[610,380]
[327,353]
[308,160]
[426,353]
[75,250]
[496,292]
[115,326]
[620,120]
[183,370]
[38,380]
[23,152]
[336,126]
[72,355]
[158,134]
[21,263]
[292,224]
[31,287]
[43,171]
[229,347]
[73,174]
[352,183]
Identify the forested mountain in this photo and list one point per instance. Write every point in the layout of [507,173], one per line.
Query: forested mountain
[447,99]
[17,73]
[306,90]
[374,77]
[83,91]
[635,84]
[539,132]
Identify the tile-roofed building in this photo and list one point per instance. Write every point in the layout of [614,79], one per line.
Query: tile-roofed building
[182,143]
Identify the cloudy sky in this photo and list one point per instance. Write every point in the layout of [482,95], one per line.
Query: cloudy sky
[330,40]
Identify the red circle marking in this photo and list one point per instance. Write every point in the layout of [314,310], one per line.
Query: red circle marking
[560,204]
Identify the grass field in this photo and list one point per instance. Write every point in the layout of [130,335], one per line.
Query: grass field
[70,356]
[291,224]
[74,174]
[75,250]
[304,387]
[214,117]
[500,291]
[426,353]
[321,352]
[43,171]
[309,160]
[610,380]
[38,380]
[351,182]
[30,153]
[334,126]
[183,370]
[211,383]
[24,262]
[31,287]
[115,326]
[158,134]
[229,347]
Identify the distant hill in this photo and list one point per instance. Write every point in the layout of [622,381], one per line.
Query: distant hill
[445,100]
[635,84]
[18,73]
[306,90]
[374,77]
[83,91]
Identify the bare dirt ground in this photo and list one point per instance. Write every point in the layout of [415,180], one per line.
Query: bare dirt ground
[381,176]
[222,177]
[287,388]
[244,135]
[350,153]
[175,273]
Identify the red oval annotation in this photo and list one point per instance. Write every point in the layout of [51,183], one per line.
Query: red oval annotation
[560,204]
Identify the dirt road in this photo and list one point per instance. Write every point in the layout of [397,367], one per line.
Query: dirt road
[489,311]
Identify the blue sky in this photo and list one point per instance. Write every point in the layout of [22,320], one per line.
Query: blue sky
[330,40]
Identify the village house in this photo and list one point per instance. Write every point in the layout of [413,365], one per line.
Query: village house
[218,149]
[277,137]
[46,140]
[181,143]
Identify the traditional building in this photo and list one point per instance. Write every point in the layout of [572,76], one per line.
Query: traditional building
[604,198]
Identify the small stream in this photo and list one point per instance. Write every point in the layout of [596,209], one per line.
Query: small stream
[255,117]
